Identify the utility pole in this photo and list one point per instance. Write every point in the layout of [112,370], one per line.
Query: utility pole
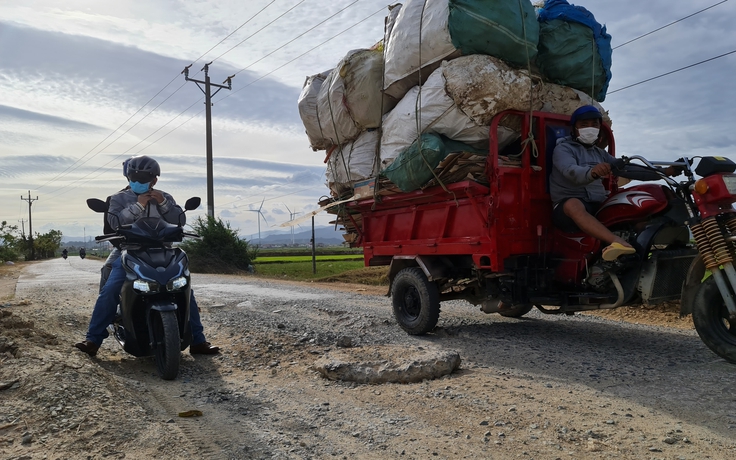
[22,228]
[208,115]
[30,222]
[314,251]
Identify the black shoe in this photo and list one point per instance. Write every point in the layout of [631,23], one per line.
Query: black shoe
[204,348]
[88,347]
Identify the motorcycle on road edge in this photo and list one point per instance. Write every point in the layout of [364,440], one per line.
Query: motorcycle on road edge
[153,314]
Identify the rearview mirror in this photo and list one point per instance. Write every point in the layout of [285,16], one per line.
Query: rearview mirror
[192,203]
[97,205]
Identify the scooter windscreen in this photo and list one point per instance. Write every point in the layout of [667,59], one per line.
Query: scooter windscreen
[152,228]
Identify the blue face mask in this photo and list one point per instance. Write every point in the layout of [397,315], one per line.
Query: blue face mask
[139,188]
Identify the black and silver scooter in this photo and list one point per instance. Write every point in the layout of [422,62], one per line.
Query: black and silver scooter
[153,315]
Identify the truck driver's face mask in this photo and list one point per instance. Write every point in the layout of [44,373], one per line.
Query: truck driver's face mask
[588,135]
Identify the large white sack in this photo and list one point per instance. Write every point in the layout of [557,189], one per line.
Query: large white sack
[336,125]
[390,21]
[362,72]
[354,161]
[403,45]
[483,86]
[350,99]
[308,110]
[438,114]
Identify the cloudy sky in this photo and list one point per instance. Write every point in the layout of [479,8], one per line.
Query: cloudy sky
[85,84]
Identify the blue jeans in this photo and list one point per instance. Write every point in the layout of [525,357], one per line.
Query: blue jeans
[106,306]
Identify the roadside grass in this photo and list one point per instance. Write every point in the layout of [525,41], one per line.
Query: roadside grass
[343,271]
[325,258]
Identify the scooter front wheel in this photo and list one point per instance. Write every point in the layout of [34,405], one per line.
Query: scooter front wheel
[712,321]
[168,352]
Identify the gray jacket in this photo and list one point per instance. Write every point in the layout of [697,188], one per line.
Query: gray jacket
[571,172]
[124,209]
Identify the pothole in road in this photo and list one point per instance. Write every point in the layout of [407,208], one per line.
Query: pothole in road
[387,364]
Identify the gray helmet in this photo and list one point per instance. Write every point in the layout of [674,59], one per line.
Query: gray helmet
[143,169]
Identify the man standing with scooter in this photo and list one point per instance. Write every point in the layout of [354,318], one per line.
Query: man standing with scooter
[127,206]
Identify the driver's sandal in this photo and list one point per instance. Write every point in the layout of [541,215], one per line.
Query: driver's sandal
[615,250]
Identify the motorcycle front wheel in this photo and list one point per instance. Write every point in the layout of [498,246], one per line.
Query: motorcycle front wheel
[712,321]
[166,334]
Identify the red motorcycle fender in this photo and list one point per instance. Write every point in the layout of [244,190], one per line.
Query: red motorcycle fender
[690,287]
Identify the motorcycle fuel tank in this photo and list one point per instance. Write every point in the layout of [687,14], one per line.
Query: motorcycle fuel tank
[632,204]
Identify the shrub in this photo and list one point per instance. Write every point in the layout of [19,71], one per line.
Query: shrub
[219,250]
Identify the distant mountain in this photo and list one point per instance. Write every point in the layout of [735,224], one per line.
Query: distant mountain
[326,236]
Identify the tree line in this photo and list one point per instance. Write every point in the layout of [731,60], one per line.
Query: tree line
[15,245]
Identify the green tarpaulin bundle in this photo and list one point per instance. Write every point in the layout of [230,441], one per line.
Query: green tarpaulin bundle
[413,168]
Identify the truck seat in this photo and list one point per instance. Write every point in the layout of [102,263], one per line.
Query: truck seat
[554,134]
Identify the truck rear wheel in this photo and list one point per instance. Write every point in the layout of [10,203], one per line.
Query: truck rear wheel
[712,321]
[416,301]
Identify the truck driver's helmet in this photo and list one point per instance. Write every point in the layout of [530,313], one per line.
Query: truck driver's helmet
[586,112]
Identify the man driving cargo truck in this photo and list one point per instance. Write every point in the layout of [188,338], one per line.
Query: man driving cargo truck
[576,181]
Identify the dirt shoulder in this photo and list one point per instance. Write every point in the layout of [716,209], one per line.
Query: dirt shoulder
[261,398]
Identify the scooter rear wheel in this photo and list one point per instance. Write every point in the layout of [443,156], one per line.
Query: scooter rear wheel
[166,335]
[712,321]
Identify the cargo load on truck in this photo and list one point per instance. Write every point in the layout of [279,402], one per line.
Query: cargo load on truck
[441,72]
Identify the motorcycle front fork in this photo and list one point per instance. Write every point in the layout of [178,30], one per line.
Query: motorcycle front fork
[716,247]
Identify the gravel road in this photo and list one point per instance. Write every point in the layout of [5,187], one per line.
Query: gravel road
[540,387]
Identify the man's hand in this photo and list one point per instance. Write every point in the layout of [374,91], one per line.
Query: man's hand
[674,171]
[152,196]
[600,170]
[157,195]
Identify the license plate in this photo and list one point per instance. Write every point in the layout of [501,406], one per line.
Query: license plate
[730,182]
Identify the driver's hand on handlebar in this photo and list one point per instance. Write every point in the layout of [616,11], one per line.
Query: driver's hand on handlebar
[600,170]
[673,171]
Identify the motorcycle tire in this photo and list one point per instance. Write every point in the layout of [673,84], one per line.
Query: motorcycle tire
[167,352]
[712,322]
[416,301]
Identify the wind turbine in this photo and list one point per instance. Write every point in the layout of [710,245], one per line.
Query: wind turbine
[259,220]
[291,217]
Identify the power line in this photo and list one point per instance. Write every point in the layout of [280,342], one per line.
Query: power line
[109,135]
[259,30]
[301,35]
[143,106]
[249,84]
[231,33]
[303,54]
[671,72]
[118,157]
[671,23]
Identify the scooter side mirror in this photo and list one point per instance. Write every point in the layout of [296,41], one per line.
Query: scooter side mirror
[192,203]
[96,205]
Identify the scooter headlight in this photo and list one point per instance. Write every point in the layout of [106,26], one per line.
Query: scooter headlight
[178,283]
[142,286]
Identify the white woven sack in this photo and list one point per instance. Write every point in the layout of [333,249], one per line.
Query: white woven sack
[308,110]
[482,86]
[438,114]
[336,125]
[362,75]
[354,161]
[403,45]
